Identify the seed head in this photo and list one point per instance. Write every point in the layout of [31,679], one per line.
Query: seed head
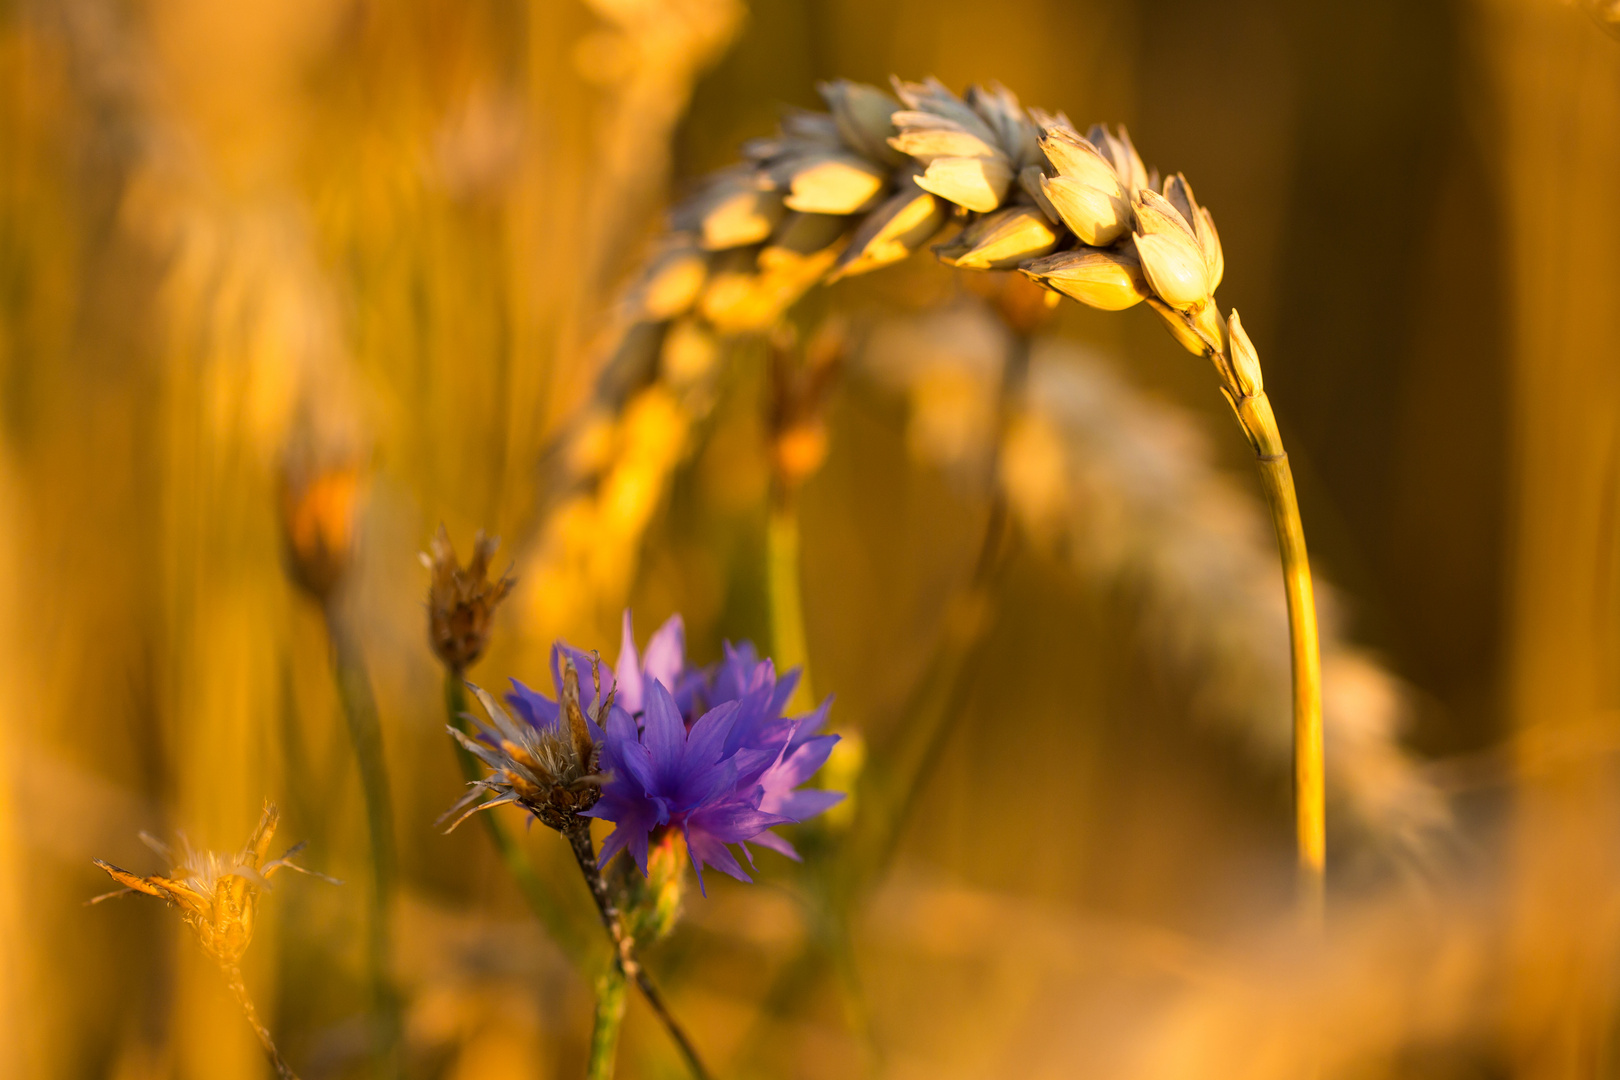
[1106,278]
[462,602]
[546,764]
[217,894]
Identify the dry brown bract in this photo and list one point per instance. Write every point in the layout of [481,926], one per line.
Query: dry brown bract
[462,601]
[548,768]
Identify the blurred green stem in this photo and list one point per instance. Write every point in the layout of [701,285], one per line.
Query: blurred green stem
[783,585]
[517,861]
[365,732]
[610,1002]
[624,947]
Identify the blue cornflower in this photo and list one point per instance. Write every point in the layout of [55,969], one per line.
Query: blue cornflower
[706,751]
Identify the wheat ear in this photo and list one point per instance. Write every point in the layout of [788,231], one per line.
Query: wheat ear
[864,185]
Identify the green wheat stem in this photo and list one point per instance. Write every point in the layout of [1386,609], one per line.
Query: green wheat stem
[518,864]
[365,732]
[611,997]
[785,594]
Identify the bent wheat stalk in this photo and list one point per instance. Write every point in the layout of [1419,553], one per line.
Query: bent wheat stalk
[865,185]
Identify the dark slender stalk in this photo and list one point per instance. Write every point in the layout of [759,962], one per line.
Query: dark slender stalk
[517,861]
[365,732]
[579,841]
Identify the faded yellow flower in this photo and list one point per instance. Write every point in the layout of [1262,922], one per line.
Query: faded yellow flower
[217,894]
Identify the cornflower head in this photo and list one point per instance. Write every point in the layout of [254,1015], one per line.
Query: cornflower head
[725,773]
[462,601]
[217,894]
[548,763]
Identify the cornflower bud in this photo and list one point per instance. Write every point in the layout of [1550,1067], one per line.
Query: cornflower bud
[1106,278]
[462,602]
[1176,241]
[906,221]
[1087,193]
[861,113]
[217,895]
[1000,241]
[548,765]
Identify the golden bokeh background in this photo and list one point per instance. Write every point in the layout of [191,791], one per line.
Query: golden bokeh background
[382,241]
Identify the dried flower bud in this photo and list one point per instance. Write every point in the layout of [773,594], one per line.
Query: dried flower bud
[1245,361]
[1106,278]
[902,225]
[462,602]
[549,766]
[217,895]
[318,511]
[1000,241]
[862,113]
[827,181]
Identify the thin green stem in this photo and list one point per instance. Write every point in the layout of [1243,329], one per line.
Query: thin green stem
[789,646]
[365,732]
[517,861]
[579,842]
[610,1001]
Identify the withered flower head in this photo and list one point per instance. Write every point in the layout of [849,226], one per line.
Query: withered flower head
[462,601]
[547,763]
[217,894]
[318,510]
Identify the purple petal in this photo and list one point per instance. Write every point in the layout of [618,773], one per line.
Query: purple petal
[706,740]
[664,736]
[666,653]
[799,765]
[625,756]
[532,706]
[705,849]
[776,843]
[801,805]
[627,671]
